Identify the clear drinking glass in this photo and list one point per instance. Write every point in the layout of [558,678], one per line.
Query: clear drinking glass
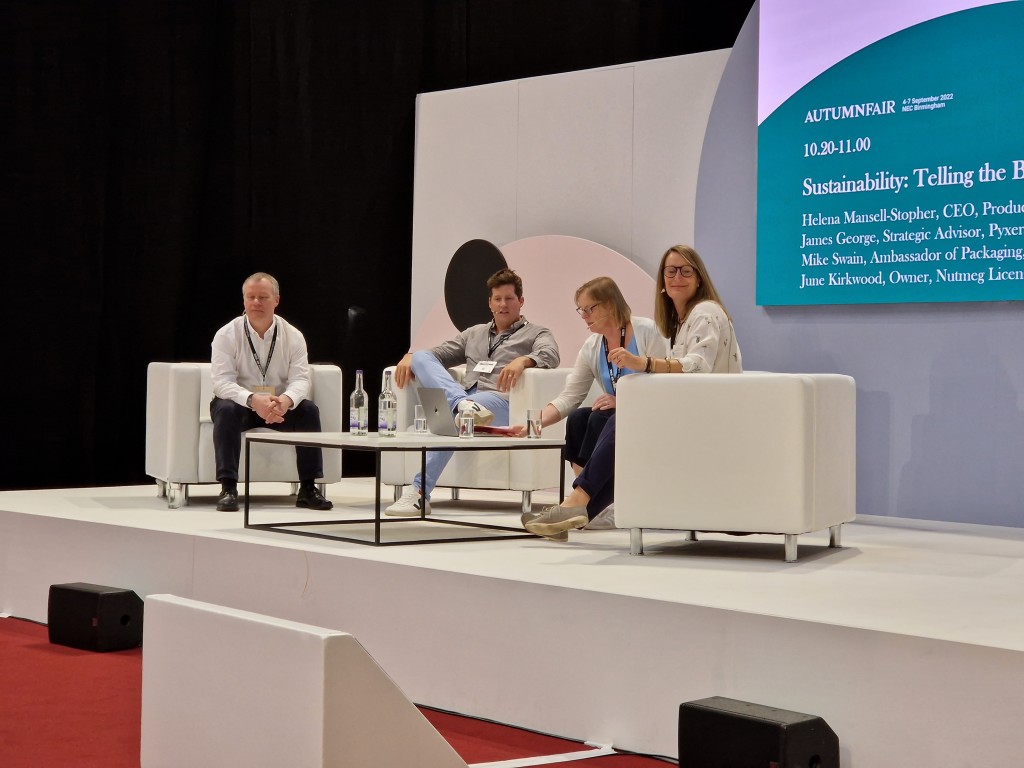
[466,425]
[533,423]
[419,422]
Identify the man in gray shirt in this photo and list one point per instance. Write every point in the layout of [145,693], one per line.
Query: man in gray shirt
[495,355]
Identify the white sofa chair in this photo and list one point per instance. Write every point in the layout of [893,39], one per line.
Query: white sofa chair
[741,453]
[179,431]
[524,471]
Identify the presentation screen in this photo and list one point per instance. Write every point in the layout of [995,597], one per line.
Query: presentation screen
[890,151]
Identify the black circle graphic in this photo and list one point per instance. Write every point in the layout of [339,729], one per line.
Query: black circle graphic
[465,283]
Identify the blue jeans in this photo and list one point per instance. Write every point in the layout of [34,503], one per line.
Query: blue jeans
[430,373]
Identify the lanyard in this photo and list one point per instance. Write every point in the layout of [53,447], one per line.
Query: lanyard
[252,348]
[502,339]
[614,372]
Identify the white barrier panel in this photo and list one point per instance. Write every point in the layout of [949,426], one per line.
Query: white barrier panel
[225,687]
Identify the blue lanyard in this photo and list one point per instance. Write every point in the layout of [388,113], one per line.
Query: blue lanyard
[614,372]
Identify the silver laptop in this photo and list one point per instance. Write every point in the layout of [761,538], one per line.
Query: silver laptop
[441,421]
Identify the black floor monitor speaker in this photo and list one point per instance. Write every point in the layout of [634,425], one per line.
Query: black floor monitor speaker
[725,733]
[94,618]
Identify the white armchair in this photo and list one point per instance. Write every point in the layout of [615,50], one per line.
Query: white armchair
[524,471]
[179,431]
[741,453]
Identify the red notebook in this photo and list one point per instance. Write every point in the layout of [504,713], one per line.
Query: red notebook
[493,431]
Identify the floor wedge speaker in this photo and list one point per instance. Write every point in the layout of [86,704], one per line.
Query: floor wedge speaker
[725,733]
[93,617]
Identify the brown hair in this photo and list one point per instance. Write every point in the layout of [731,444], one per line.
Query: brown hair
[664,309]
[603,289]
[505,277]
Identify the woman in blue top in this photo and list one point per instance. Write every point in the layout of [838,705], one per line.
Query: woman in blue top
[604,309]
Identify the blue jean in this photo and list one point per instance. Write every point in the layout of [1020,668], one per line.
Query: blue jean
[430,373]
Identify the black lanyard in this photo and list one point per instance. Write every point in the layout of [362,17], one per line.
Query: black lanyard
[614,372]
[252,348]
[502,339]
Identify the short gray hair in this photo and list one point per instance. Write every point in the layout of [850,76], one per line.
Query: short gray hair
[255,276]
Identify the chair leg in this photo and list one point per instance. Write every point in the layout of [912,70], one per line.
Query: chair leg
[398,490]
[835,536]
[322,487]
[636,541]
[527,501]
[161,489]
[294,489]
[177,495]
[790,547]
[691,536]
[455,494]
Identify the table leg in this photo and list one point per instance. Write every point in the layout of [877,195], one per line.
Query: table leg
[245,516]
[376,515]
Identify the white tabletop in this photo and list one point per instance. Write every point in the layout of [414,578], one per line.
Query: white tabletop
[403,440]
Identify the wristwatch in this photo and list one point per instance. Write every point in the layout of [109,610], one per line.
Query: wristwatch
[248,402]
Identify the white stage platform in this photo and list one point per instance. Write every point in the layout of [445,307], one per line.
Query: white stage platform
[909,642]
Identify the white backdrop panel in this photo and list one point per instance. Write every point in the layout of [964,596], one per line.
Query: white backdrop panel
[672,102]
[575,173]
[465,184]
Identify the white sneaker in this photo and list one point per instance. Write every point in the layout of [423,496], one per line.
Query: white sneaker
[481,416]
[410,505]
[605,520]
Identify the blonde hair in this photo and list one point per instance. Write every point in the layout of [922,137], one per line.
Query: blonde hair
[665,314]
[602,289]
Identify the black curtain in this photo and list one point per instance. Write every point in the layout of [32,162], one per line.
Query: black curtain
[156,153]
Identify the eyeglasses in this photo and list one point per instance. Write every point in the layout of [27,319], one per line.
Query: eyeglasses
[684,271]
[587,311]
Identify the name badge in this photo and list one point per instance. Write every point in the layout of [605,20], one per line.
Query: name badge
[485,366]
[264,390]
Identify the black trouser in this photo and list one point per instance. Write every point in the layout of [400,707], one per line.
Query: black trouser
[598,476]
[582,429]
[230,420]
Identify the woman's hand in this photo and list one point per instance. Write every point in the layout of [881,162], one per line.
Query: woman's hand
[517,430]
[604,403]
[621,358]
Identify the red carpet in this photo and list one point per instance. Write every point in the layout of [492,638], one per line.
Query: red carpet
[78,709]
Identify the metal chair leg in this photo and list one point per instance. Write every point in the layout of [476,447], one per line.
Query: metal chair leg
[177,495]
[835,535]
[636,541]
[790,548]
[527,501]
[455,494]
[398,492]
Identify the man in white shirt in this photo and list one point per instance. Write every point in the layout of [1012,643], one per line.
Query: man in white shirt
[261,379]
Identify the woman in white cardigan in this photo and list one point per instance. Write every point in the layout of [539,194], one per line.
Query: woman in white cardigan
[691,314]
[604,309]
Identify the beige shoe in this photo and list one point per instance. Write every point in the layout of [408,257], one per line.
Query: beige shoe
[555,520]
[529,517]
